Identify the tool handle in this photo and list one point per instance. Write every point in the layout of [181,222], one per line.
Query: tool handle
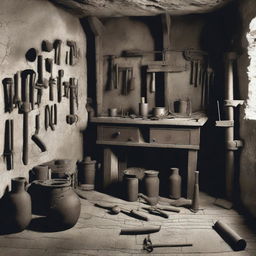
[52,118]
[171,245]
[169,208]
[139,215]
[37,124]
[140,230]
[72,96]
[40,69]
[39,142]
[55,111]
[25,138]
[46,117]
[162,213]
[104,206]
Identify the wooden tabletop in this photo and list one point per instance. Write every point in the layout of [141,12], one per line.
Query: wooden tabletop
[196,119]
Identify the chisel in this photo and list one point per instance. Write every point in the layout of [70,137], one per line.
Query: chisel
[153,82]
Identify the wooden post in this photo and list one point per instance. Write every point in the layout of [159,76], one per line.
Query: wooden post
[166,26]
[98,28]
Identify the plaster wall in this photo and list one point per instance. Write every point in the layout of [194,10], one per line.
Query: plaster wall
[24,24]
[247,131]
[145,34]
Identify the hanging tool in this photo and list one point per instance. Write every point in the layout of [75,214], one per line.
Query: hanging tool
[8,94]
[46,46]
[47,116]
[73,52]
[55,113]
[52,118]
[31,89]
[57,51]
[52,81]
[25,109]
[59,86]
[40,84]
[115,209]
[8,144]
[16,97]
[66,89]
[149,246]
[35,137]
[72,117]
[192,72]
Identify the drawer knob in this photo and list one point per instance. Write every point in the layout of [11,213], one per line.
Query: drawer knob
[153,140]
[130,139]
[116,134]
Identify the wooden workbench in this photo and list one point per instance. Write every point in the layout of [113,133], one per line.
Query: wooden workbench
[172,133]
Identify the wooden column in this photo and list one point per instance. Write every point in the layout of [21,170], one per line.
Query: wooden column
[166,27]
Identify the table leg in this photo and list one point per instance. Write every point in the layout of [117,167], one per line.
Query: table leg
[110,167]
[192,167]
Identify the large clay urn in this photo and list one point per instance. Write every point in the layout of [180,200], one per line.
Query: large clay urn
[57,201]
[16,207]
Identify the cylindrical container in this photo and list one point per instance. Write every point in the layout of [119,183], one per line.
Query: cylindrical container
[61,204]
[63,168]
[131,187]
[230,236]
[195,199]
[16,211]
[159,112]
[40,172]
[143,109]
[181,106]
[151,182]
[174,184]
[112,112]
[87,173]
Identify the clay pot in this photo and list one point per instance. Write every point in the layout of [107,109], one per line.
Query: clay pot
[40,172]
[16,211]
[87,173]
[61,204]
[151,182]
[131,187]
[174,184]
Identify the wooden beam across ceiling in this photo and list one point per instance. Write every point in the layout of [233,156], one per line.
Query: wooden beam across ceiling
[119,8]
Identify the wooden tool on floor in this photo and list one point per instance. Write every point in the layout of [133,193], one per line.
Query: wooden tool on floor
[140,230]
[149,246]
[156,211]
[115,209]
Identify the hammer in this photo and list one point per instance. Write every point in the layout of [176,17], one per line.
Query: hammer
[57,48]
[148,246]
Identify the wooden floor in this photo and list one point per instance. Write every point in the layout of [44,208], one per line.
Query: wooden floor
[97,233]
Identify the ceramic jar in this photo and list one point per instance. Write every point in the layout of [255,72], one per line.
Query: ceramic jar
[131,187]
[151,183]
[87,173]
[61,204]
[16,211]
[41,172]
[174,184]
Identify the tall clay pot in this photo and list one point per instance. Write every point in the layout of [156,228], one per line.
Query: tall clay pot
[151,182]
[16,207]
[87,173]
[131,187]
[174,184]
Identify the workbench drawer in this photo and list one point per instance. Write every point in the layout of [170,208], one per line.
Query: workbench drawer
[174,136]
[118,133]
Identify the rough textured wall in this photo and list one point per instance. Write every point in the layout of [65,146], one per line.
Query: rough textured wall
[24,24]
[247,127]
